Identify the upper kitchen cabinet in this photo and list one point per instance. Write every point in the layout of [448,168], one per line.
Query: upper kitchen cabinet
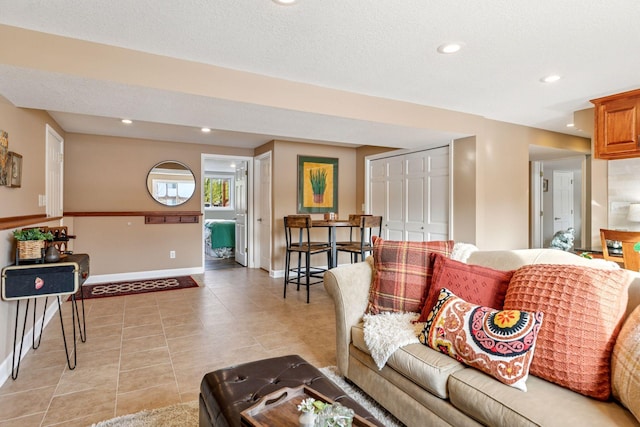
[617,125]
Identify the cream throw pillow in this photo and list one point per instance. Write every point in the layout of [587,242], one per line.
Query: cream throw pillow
[625,364]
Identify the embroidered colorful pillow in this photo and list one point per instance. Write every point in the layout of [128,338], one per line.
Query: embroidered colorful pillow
[473,283]
[499,343]
[583,311]
[402,274]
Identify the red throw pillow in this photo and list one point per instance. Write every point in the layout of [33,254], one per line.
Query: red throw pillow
[402,274]
[473,283]
[583,311]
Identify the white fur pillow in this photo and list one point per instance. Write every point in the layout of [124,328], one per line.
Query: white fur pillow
[462,251]
[625,364]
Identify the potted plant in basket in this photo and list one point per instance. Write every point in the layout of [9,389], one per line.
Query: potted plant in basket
[318,184]
[31,242]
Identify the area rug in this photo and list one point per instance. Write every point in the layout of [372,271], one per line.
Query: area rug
[186,414]
[179,415]
[102,290]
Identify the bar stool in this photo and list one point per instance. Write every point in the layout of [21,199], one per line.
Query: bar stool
[630,259]
[297,230]
[354,219]
[369,226]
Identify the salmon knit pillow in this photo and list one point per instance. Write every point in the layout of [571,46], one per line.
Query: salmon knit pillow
[402,274]
[583,311]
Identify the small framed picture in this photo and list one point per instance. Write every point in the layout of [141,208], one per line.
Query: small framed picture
[545,185]
[14,170]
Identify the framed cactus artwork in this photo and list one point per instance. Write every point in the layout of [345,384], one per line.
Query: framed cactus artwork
[317,184]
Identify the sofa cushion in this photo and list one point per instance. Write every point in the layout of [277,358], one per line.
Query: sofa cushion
[426,367]
[625,364]
[583,309]
[544,404]
[499,343]
[473,283]
[402,274]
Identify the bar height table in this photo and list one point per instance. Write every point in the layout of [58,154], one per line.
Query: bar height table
[332,224]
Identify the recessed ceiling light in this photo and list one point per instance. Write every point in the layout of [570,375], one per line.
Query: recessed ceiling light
[285,2]
[449,48]
[552,78]
[126,121]
[205,130]
[570,125]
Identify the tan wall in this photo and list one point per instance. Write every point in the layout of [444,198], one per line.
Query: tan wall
[285,167]
[104,174]
[502,180]
[464,190]
[26,130]
[598,187]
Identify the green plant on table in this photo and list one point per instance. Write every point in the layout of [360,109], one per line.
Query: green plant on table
[311,405]
[32,234]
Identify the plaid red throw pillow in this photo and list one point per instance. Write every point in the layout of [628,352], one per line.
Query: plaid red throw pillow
[402,275]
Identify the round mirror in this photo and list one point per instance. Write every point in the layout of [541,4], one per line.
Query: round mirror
[171,183]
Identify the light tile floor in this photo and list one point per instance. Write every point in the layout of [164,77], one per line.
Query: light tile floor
[151,350]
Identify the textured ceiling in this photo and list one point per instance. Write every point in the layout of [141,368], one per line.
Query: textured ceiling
[373,47]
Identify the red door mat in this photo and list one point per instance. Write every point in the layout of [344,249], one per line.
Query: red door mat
[102,290]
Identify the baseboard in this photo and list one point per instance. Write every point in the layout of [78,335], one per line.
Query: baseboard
[141,275]
[5,366]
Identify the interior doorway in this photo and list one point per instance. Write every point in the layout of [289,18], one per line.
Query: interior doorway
[226,205]
[558,199]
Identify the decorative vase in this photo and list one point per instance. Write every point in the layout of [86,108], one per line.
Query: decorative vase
[307,419]
[318,198]
[52,254]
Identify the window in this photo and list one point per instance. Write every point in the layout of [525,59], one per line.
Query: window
[172,193]
[218,192]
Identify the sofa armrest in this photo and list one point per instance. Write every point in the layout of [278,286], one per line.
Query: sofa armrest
[348,285]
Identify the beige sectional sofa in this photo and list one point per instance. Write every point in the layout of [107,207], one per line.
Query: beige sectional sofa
[423,387]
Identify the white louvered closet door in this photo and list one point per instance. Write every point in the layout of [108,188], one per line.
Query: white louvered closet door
[412,193]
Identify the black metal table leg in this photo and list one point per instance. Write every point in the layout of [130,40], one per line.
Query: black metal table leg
[81,328]
[15,367]
[64,335]
[44,315]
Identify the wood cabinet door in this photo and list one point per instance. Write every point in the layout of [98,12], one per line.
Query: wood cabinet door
[617,128]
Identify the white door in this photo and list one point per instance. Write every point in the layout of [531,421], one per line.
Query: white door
[411,192]
[263,219]
[54,173]
[562,200]
[241,213]
[417,184]
[437,196]
[387,195]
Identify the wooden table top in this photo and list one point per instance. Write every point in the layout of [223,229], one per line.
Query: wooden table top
[331,223]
